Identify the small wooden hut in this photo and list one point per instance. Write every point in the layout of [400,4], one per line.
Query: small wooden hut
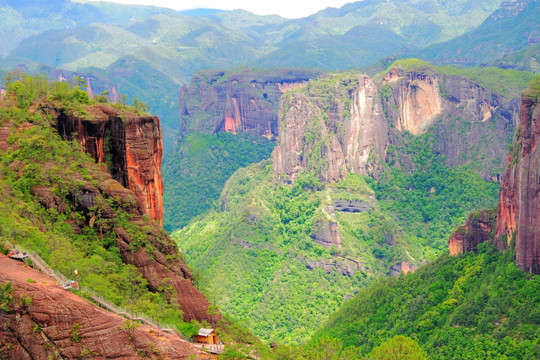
[207,336]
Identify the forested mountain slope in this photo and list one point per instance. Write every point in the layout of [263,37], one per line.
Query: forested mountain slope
[339,205]
[71,208]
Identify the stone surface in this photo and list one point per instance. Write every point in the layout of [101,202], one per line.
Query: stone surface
[477,230]
[351,127]
[418,100]
[162,264]
[129,145]
[59,324]
[237,101]
[331,147]
[519,197]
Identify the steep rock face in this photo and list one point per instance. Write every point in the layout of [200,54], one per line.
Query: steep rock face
[160,266]
[331,135]
[477,230]
[463,118]
[418,100]
[59,324]
[519,197]
[466,118]
[157,257]
[244,101]
[129,145]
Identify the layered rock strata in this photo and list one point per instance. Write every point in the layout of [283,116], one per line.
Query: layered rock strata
[101,199]
[58,324]
[161,265]
[128,144]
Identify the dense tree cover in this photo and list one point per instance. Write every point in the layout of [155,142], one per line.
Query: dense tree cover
[474,306]
[39,157]
[257,255]
[194,174]
[432,198]
[251,256]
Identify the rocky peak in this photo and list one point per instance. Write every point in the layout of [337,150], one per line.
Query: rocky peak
[518,214]
[331,132]
[366,116]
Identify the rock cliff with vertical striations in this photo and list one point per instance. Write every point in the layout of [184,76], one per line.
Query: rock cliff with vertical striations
[237,101]
[130,146]
[330,128]
[129,149]
[519,198]
[518,211]
[348,122]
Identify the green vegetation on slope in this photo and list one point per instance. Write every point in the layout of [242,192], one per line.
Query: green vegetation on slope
[252,256]
[38,157]
[506,31]
[475,306]
[194,174]
[261,257]
[432,199]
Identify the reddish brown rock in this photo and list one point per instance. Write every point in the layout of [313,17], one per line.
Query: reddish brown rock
[4,134]
[129,145]
[367,120]
[161,266]
[457,110]
[244,101]
[59,324]
[519,197]
[477,230]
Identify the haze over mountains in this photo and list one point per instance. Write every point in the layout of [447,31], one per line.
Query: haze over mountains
[142,51]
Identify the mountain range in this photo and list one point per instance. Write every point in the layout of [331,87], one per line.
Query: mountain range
[357,184]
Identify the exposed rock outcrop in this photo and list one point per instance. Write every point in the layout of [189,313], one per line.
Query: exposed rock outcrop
[238,101]
[518,211]
[519,198]
[128,144]
[458,112]
[99,200]
[418,100]
[59,324]
[331,136]
[157,258]
[402,267]
[477,229]
[364,119]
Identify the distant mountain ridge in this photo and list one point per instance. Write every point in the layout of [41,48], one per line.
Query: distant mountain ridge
[170,46]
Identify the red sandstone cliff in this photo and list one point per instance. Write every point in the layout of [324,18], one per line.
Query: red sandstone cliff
[477,230]
[237,101]
[519,197]
[58,324]
[131,149]
[128,144]
[518,211]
